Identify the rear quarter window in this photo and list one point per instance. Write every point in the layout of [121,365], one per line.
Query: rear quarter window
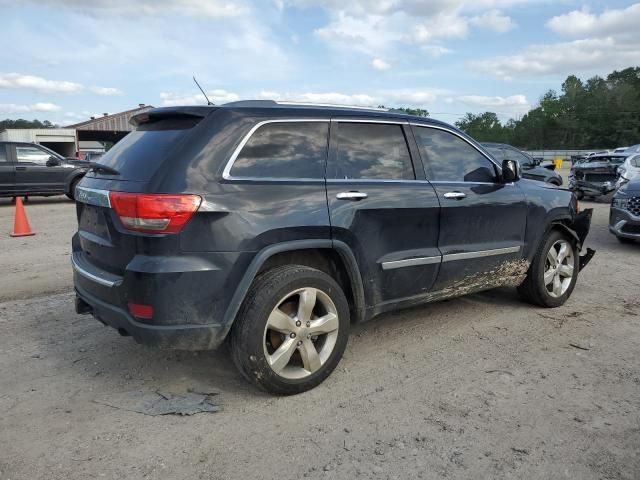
[284,150]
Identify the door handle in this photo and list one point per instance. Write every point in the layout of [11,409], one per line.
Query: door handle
[355,196]
[21,168]
[455,195]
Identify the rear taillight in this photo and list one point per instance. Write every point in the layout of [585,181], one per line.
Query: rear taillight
[154,213]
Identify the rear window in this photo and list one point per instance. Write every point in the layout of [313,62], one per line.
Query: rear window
[138,155]
[371,151]
[284,150]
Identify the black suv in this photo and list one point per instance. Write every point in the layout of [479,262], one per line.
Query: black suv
[31,169]
[531,167]
[277,225]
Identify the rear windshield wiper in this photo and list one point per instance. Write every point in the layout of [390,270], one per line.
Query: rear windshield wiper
[99,167]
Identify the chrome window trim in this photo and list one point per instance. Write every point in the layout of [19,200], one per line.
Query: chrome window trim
[369,120]
[226,173]
[451,257]
[93,196]
[81,271]
[437,127]
[411,262]
[376,180]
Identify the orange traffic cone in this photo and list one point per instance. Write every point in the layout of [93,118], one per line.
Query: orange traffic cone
[21,226]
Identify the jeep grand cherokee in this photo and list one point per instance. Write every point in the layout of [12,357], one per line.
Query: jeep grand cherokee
[275,226]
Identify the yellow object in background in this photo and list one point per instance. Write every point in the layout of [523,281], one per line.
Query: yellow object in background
[558,163]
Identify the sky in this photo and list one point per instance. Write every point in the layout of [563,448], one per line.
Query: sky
[67,60]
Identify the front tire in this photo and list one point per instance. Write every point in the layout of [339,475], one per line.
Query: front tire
[553,271]
[291,330]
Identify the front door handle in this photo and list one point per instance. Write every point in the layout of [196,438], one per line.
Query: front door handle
[21,168]
[355,196]
[455,195]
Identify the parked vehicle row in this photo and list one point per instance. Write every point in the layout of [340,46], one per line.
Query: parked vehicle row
[275,226]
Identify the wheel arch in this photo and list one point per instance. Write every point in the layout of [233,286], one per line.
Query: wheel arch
[315,252]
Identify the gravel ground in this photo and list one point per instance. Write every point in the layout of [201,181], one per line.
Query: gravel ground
[478,387]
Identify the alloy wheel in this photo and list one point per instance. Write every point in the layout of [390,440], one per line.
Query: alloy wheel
[301,333]
[559,268]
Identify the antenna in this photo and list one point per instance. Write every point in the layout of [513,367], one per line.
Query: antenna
[205,95]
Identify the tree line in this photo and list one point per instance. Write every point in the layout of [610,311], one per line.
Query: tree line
[21,123]
[598,113]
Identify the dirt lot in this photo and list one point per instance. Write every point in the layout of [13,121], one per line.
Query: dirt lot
[478,387]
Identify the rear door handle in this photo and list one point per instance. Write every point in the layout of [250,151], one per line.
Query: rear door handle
[355,196]
[21,168]
[455,195]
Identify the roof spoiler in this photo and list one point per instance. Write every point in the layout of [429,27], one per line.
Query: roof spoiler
[157,114]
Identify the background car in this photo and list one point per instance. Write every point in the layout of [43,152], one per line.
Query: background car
[29,169]
[624,217]
[629,170]
[531,167]
[596,175]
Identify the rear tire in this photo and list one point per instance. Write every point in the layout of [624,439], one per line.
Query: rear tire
[291,330]
[553,272]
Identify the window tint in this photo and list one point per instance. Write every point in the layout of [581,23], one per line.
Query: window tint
[284,150]
[635,161]
[450,158]
[372,151]
[32,155]
[3,154]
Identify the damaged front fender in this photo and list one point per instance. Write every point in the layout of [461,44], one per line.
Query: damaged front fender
[579,229]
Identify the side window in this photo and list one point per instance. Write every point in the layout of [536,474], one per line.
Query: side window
[284,150]
[452,159]
[635,162]
[371,151]
[3,154]
[31,155]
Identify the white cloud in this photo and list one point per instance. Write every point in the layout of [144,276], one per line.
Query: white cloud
[217,97]
[375,27]
[17,81]
[390,98]
[493,20]
[39,84]
[514,104]
[196,8]
[583,23]
[12,108]
[435,51]
[604,42]
[106,91]
[380,64]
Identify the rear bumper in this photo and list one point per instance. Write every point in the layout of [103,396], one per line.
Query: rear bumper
[176,337]
[190,296]
[624,224]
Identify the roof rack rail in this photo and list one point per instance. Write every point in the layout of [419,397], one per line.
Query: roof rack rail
[270,103]
[334,105]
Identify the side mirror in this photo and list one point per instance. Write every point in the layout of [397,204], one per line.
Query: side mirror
[53,161]
[510,171]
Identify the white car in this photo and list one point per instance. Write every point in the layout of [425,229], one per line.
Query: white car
[629,170]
